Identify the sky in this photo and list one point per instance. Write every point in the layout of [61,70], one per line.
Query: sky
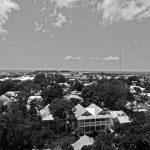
[86,35]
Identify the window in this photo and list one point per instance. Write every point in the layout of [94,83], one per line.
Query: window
[87,129]
[92,128]
[103,119]
[92,120]
[81,130]
[103,127]
[98,128]
[87,120]
[81,121]
[106,119]
[98,119]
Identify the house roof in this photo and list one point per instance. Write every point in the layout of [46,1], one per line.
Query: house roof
[11,94]
[48,118]
[31,98]
[76,93]
[45,110]
[90,112]
[94,108]
[45,113]
[84,140]
[74,96]
[115,114]
[133,86]
[124,119]
[79,110]
[120,116]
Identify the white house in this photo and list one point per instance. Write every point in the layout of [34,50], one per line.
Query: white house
[92,118]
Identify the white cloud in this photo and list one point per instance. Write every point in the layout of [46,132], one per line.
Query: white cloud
[60,20]
[64,3]
[72,58]
[6,7]
[94,58]
[112,10]
[115,10]
[77,58]
[54,13]
[111,58]
[38,27]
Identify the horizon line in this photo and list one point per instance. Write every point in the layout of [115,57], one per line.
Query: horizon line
[69,70]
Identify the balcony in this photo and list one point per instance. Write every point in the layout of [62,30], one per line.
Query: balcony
[97,123]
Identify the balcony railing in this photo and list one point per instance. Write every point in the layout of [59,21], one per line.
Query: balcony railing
[93,123]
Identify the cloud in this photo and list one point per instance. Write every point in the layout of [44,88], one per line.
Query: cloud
[94,58]
[72,58]
[60,20]
[6,7]
[64,3]
[54,13]
[38,27]
[111,58]
[115,10]
[112,10]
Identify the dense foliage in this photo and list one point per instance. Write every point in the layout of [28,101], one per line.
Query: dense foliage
[112,94]
[22,127]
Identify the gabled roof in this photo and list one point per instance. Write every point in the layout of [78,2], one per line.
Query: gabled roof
[93,106]
[86,114]
[79,110]
[45,110]
[90,112]
[45,113]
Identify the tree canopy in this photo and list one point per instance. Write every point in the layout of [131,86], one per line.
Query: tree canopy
[109,92]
